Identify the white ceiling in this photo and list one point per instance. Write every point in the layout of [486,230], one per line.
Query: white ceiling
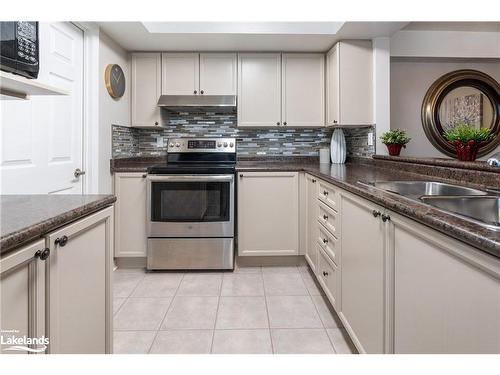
[242,36]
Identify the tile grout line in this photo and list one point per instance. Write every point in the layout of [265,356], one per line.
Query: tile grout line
[267,312]
[216,315]
[166,312]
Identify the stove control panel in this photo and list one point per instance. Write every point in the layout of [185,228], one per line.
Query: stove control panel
[222,145]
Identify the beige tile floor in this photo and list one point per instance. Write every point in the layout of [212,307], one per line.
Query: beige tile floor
[252,310]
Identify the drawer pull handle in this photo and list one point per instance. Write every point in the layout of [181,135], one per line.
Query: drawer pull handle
[325,217]
[376,213]
[325,273]
[42,254]
[325,192]
[61,241]
[385,218]
[325,240]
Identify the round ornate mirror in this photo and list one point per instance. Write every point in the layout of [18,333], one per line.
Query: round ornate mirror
[462,96]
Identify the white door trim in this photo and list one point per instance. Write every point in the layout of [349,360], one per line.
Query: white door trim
[90,136]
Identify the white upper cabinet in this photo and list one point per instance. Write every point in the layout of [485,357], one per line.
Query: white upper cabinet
[180,73]
[303,94]
[146,89]
[349,83]
[259,89]
[218,73]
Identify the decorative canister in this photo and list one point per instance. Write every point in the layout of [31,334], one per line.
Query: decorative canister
[324,155]
[338,147]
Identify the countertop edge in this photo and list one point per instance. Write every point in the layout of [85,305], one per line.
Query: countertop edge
[36,231]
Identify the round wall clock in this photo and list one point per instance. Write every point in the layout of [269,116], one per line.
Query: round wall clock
[115,80]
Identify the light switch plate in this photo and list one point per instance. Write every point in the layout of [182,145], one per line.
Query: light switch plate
[370,139]
[159,141]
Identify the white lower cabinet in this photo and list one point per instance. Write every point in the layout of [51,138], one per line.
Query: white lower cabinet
[329,277]
[80,300]
[446,294]
[268,213]
[60,288]
[311,251]
[130,215]
[363,273]
[22,294]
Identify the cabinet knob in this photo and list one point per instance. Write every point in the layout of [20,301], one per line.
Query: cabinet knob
[376,213]
[61,241]
[325,217]
[42,254]
[241,175]
[278,123]
[144,175]
[202,92]
[335,121]
[156,123]
[196,92]
[325,273]
[284,123]
[325,192]
[325,240]
[385,218]
[314,181]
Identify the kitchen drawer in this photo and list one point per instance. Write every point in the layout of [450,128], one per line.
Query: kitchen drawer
[328,195]
[329,277]
[329,218]
[329,243]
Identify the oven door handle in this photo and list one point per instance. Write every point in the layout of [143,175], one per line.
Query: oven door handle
[190,178]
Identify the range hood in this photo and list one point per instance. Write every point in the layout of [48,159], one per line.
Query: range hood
[198,103]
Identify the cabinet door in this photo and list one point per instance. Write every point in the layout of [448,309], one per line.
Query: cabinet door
[356,82]
[332,86]
[303,93]
[447,294]
[218,73]
[268,214]
[311,253]
[146,89]
[180,73]
[363,273]
[22,296]
[130,215]
[259,89]
[80,308]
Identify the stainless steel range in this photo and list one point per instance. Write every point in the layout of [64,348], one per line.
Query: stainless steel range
[191,206]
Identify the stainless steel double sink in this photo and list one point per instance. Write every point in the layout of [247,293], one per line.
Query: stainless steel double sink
[476,205]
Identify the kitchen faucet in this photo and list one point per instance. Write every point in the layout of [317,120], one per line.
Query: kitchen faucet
[494,160]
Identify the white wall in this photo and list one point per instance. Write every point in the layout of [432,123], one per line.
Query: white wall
[410,79]
[111,111]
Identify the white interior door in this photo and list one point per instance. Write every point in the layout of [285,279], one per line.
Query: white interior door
[41,138]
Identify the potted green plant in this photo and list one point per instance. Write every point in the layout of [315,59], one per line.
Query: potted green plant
[395,140]
[467,140]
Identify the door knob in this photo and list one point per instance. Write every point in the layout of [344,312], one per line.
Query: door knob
[61,241]
[78,172]
[42,254]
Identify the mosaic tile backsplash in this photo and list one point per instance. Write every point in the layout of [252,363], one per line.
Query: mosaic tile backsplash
[133,142]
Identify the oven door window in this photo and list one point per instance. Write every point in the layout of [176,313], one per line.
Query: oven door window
[190,201]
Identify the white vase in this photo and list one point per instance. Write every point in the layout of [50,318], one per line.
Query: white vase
[338,149]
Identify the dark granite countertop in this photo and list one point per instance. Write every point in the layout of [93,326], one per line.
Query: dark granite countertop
[347,176]
[24,218]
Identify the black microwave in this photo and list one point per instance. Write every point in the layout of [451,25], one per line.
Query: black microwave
[19,42]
